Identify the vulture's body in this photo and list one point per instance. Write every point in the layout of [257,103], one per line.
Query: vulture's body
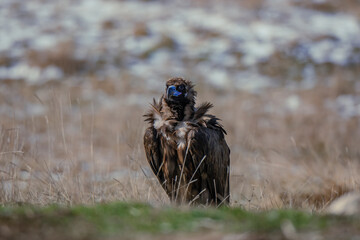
[185,147]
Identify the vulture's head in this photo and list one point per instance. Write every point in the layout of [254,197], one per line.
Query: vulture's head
[180,92]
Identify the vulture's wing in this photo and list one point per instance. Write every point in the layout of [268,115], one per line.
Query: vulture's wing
[214,169]
[153,152]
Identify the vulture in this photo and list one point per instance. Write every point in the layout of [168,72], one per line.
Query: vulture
[186,148]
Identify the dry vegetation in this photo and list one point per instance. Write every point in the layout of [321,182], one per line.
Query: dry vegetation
[331,6]
[80,142]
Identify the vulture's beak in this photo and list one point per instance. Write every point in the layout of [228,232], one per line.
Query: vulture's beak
[171,91]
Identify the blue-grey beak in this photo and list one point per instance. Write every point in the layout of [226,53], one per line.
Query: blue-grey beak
[173,92]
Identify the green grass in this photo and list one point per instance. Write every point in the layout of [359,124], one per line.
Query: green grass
[129,219]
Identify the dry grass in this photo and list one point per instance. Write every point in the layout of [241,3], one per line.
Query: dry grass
[302,159]
[83,144]
[75,152]
[331,6]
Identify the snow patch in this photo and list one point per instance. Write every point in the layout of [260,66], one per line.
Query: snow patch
[348,105]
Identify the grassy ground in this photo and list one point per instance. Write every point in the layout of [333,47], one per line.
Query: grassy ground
[132,220]
[82,150]
[81,143]
[77,143]
[78,140]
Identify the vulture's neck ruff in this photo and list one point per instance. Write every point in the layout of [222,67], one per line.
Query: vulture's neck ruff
[179,100]
[180,109]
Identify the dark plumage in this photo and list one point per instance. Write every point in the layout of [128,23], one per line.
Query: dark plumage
[185,147]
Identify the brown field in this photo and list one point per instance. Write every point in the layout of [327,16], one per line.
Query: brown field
[78,139]
[80,142]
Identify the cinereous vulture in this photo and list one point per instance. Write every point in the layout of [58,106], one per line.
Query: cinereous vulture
[186,148]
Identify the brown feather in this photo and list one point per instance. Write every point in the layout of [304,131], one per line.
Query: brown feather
[202,110]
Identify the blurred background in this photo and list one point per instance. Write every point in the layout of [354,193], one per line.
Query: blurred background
[76,76]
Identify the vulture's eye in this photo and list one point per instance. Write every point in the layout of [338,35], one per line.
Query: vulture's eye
[181,87]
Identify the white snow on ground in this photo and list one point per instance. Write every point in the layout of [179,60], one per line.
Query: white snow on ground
[293,103]
[32,74]
[252,82]
[177,36]
[348,105]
